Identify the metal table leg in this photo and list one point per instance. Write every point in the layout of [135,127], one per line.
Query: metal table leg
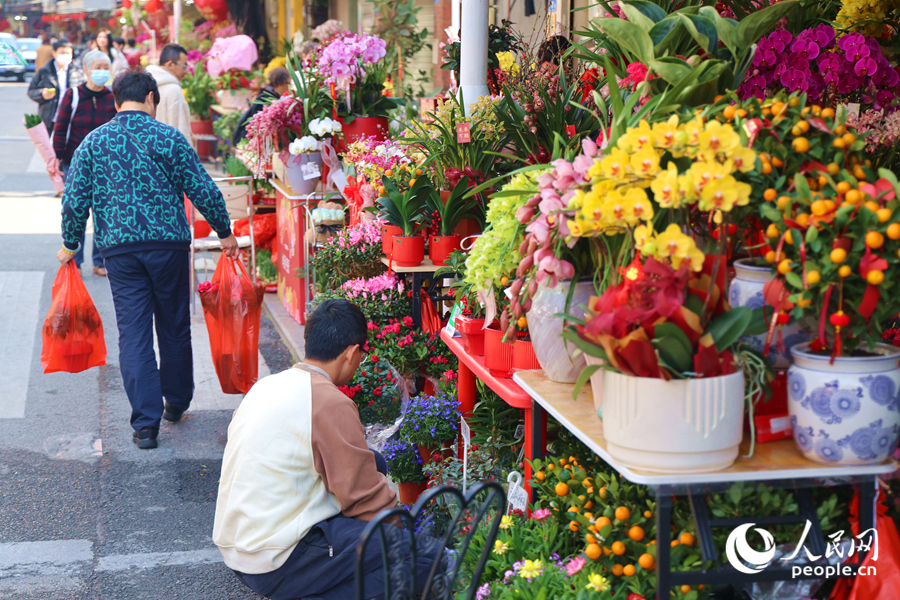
[663,529]
[534,439]
[418,280]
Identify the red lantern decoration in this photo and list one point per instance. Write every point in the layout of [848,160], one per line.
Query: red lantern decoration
[212,10]
[153,6]
[112,23]
[92,23]
[126,3]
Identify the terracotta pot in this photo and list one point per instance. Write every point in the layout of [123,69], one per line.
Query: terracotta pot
[444,450]
[388,232]
[203,127]
[471,331]
[524,358]
[440,247]
[410,491]
[360,128]
[408,251]
[498,355]
[429,388]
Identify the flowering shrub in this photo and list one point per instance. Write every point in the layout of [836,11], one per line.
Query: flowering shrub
[273,128]
[381,298]
[850,69]
[404,462]
[882,134]
[411,350]
[377,391]
[372,158]
[431,420]
[232,79]
[353,253]
[873,12]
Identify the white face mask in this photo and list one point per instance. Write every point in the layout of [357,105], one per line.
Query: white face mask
[64,60]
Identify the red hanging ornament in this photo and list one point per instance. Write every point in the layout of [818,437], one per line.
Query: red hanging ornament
[153,6]
[212,10]
[126,3]
[92,23]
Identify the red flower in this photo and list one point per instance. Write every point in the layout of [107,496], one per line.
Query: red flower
[374,358]
[371,402]
[408,321]
[436,458]
[233,84]
[377,391]
[244,82]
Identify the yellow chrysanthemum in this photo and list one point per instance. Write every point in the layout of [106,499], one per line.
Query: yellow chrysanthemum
[506,522]
[596,582]
[665,188]
[500,547]
[531,569]
[676,247]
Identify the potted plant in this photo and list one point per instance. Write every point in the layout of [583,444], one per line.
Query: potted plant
[404,208]
[445,215]
[432,423]
[834,249]
[352,66]
[234,89]
[198,90]
[404,465]
[673,390]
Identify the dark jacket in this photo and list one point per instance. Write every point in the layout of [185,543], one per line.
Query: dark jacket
[93,110]
[46,78]
[132,174]
[266,96]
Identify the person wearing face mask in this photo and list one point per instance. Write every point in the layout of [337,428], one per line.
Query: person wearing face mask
[82,110]
[173,108]
[104,43]
[51,81]
[132,174]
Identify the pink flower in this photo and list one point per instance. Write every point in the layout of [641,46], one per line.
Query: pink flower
[574,566]
[408,321]
[541,514]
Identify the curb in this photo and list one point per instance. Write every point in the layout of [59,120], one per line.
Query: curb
[290,331]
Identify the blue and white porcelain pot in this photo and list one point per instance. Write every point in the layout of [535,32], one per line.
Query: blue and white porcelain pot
[846,413]
[746,289]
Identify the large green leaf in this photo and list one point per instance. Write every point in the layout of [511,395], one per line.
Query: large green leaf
[673,346]
[759,324]
[636,16]
[671,69]
[702,30]
[583,378]
[583,345]
[725,28]
[729,326]
[760,23]
[630,36]
[648,9]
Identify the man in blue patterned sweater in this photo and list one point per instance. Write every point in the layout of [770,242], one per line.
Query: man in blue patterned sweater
[133,174]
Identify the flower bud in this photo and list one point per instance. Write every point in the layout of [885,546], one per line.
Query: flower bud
[527,304]
[518,311]
[532,288]
[504,320]
[524,214]
[525,265]
[533,201]
[516,287]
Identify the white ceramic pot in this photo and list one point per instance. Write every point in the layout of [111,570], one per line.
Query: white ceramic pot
[554,355]
[746,289]
[297,170]
[677,426]
[235,99]
[845,413]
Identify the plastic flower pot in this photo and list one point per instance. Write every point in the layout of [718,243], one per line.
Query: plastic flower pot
[444,450]
[411,490]
[498,355]
[440,247]
[524,358]
[388,232]
[203,127]
[408,251]
[361,128]
[293,169]
[471,330]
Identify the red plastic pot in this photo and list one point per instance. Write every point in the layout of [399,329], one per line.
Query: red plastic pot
[440,247]
[471,331]
[444,450]
[411,490]
[361,128]
[388,232]
[524,358]
[203,127]
[498,355]
[408,251]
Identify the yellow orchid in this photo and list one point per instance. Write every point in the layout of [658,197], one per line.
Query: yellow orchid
[664,133]
[645,163]
[677,247]
[718,138]
[613,166]
[693,129]
[744,159]
[707,171]
[724,194]
[629,208]
[637,138]
[642,235]
[665,188]
[596,582]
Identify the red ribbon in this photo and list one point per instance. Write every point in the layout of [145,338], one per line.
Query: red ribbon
[824,316]
[869,301]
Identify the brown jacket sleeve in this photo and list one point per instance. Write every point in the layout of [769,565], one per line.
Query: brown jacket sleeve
[342,459]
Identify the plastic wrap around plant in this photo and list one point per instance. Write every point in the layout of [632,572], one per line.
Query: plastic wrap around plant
[378,434]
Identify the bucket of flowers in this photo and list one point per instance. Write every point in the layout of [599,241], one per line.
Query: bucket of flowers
[234,89]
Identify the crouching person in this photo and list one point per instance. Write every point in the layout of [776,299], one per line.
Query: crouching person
[298,483]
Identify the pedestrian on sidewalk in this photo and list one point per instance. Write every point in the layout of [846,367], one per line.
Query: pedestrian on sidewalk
[44,52]
[51,82]
[82,110]
[173,108]
[298,483]
[132,173]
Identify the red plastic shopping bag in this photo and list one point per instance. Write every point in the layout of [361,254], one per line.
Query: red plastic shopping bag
[72,333]
[231,306]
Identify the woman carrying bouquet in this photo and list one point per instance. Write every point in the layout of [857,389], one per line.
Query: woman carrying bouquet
[82,110]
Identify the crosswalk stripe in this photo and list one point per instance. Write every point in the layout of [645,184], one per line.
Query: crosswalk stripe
[151,560]
[19,320]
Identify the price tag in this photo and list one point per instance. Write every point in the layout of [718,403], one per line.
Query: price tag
[516,496]
[570,131]
[467,439]
[520,431]
[752,128]
[310,171]
[451,322]
[463,133]
[853,108]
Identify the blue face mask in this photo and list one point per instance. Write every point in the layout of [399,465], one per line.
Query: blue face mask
[100,76]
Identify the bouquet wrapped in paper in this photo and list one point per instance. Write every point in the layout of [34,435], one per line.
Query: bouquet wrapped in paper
[39,135]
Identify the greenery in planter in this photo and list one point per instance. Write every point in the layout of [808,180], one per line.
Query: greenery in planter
[377,391]
[445,217]
[198,88]
[382,298]
[265,268]
[431,420]
[225,125]
[405,208]
[404,462]
[354,253]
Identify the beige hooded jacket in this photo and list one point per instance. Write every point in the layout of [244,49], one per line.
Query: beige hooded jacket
[173,108]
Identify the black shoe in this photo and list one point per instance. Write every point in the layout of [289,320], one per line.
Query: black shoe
[172,414]
[146,438]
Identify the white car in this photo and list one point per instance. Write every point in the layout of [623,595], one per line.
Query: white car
[11,67]
[28,49]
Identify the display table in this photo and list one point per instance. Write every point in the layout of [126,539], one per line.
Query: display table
[420,274]
[779,463]
[292,217]
[472,368]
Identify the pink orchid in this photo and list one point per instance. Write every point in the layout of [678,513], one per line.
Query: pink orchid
[551,269]
[583,162]
[589,147]
[524,214]
[565,174]
[540,228]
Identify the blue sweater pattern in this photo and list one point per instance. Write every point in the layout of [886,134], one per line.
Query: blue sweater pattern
[138,202]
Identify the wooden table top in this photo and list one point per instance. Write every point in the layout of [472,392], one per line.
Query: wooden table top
[770,460]
[426,266]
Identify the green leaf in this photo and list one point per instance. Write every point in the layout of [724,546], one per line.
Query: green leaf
[671,69]
[583,378]
[794,280]
[812,234]
[630,36]
[758,323]
[637,16]
[729,326]
[673,346]
[649,9]
[661,33]
[760,23]
[583,345]
[703,31]
[694,304]
[734,492]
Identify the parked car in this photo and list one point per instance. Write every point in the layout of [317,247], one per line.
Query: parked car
[11,67]
[28,49]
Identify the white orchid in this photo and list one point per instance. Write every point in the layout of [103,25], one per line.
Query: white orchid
[323,127]
[303,145]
